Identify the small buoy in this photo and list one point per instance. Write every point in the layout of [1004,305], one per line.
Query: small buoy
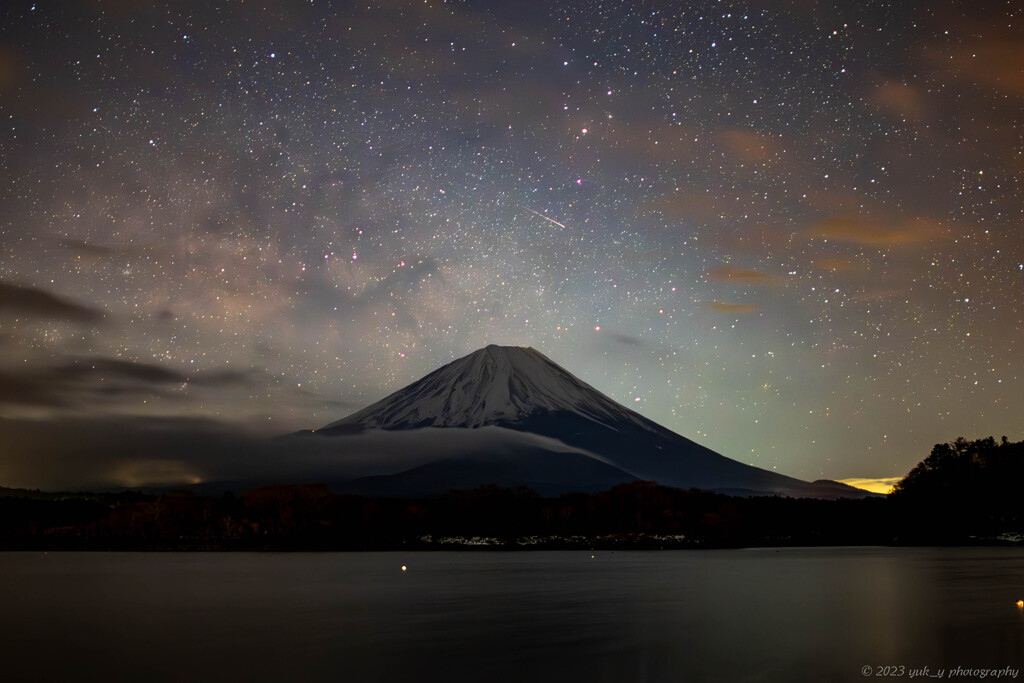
[1020,603]
[403,567]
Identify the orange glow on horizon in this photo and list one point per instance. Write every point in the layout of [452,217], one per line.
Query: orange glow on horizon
[881,485]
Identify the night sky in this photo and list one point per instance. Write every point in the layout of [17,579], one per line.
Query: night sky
[790,231]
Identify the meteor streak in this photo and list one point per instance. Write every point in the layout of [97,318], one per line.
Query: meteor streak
[540,215]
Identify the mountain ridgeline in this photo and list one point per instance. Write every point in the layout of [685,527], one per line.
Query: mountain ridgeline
[512,417]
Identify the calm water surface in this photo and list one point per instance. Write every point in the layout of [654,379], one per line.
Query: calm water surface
[738,615]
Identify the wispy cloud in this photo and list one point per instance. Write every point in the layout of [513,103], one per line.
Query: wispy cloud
[623,338]
[84,382]
[81,247]
[733,308]
[990,60]
[748,146]
[835,264]
[30,301]
[899,98]
[739,275]
[880,233]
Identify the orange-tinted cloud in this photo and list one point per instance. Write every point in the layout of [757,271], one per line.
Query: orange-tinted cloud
[743,275]
[749,146]
[726,307]
[995,62]
[874,232]
[836,264]
[900,98]
[10,68]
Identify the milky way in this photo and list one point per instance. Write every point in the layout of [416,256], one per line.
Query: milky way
[790,231]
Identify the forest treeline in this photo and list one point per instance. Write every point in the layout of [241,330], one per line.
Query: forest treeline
[964,489]
[963,492]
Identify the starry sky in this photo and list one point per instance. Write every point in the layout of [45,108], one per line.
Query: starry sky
[789,230]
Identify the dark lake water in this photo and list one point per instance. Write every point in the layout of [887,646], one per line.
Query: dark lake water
[817,614]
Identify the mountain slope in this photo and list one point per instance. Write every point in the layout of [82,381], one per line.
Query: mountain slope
[520,389]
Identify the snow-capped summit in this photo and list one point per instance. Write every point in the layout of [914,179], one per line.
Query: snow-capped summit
[496,385]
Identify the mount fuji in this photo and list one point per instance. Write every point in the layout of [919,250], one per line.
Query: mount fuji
[509,415]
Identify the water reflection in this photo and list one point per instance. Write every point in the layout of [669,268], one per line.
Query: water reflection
[746,615]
